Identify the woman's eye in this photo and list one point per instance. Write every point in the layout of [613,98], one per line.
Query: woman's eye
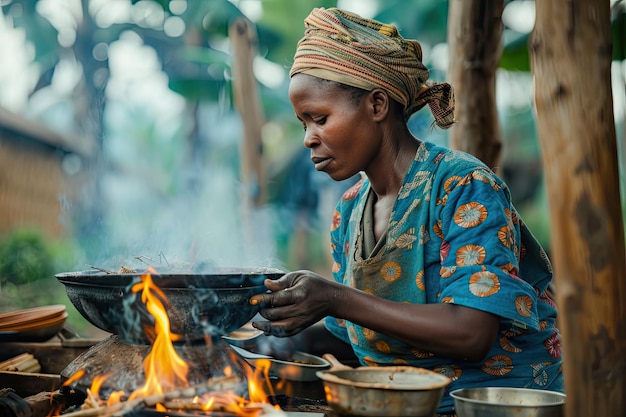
[321,121]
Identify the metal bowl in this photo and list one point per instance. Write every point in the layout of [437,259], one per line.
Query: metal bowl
[507,402]
[197,305]
[391,391]
[301,366]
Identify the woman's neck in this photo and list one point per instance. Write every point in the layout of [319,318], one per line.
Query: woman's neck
[396,156]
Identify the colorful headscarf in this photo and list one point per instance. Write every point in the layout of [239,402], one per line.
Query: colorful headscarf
[364,53]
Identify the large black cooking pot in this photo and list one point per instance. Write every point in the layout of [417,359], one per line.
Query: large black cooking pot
[197,304]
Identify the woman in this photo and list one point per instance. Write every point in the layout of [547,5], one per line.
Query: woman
[433,267]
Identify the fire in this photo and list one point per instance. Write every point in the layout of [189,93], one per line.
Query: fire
[255,381]
[78,375]
[166,374]
[163,367]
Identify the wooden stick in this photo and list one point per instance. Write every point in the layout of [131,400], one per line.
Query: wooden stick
[121,408]
[25,362]
[217,406]
[29,365]
[17,359]
[106,271]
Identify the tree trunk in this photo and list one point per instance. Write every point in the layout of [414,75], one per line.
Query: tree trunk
[247,102]
[90,219]
[474,40]
[245,95]
[571,60]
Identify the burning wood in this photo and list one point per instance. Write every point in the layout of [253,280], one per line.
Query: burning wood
[96,407]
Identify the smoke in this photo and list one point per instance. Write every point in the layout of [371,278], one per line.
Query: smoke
[207,228]
[144,224]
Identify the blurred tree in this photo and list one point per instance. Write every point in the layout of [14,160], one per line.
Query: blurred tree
[516,57]
[81,32]
[475,39]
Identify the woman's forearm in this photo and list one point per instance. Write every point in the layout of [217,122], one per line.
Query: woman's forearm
[443,329]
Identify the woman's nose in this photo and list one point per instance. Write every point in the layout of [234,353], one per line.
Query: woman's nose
[309,139]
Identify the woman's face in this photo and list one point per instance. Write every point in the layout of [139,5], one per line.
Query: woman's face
[338,127]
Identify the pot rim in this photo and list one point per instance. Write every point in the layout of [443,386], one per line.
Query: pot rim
[435,381]
[458,395]
[220,278]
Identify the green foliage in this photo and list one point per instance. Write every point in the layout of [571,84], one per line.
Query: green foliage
[282,25]
[24,258]
[515,55]
[192,79]
[198,89]
[426,21]
[212,17]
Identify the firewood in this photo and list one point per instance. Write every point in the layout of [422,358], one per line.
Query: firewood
[119,409]
[30,365]
[24,356]
[217,407]
[46,403]
[25,362]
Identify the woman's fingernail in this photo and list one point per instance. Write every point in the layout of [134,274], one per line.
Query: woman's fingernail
[254,301]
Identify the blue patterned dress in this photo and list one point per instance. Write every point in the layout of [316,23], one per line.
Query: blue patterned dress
[453,237]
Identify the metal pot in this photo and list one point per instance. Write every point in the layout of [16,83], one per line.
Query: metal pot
[294,376]
[504,402]
[382,391]
[197,304]
[300,366]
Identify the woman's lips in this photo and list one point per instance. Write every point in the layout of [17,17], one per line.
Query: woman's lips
[321,163]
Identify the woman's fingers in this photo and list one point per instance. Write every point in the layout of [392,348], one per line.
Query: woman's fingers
[289,305]
[281,328]
[278,296]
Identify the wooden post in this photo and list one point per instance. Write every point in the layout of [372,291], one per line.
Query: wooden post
[246,99]
[474,40]
[571,59]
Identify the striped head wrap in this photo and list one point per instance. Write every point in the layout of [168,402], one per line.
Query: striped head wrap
[364,53]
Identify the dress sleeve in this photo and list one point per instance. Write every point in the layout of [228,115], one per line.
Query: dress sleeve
[480,252]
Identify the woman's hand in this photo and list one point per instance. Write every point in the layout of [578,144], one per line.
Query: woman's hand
[295,301]
[301,298]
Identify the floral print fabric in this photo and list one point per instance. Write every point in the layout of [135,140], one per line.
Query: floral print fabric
[453,237]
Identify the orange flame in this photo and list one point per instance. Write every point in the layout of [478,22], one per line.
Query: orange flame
[78,375]
[97,382]
[163,367]
[255,381]
[115,397]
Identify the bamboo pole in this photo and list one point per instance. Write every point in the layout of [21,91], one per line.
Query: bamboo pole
[571,60]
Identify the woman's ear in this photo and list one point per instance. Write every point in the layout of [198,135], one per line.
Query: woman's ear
[379,102]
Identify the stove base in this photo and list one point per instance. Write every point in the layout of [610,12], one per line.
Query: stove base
[122,362]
